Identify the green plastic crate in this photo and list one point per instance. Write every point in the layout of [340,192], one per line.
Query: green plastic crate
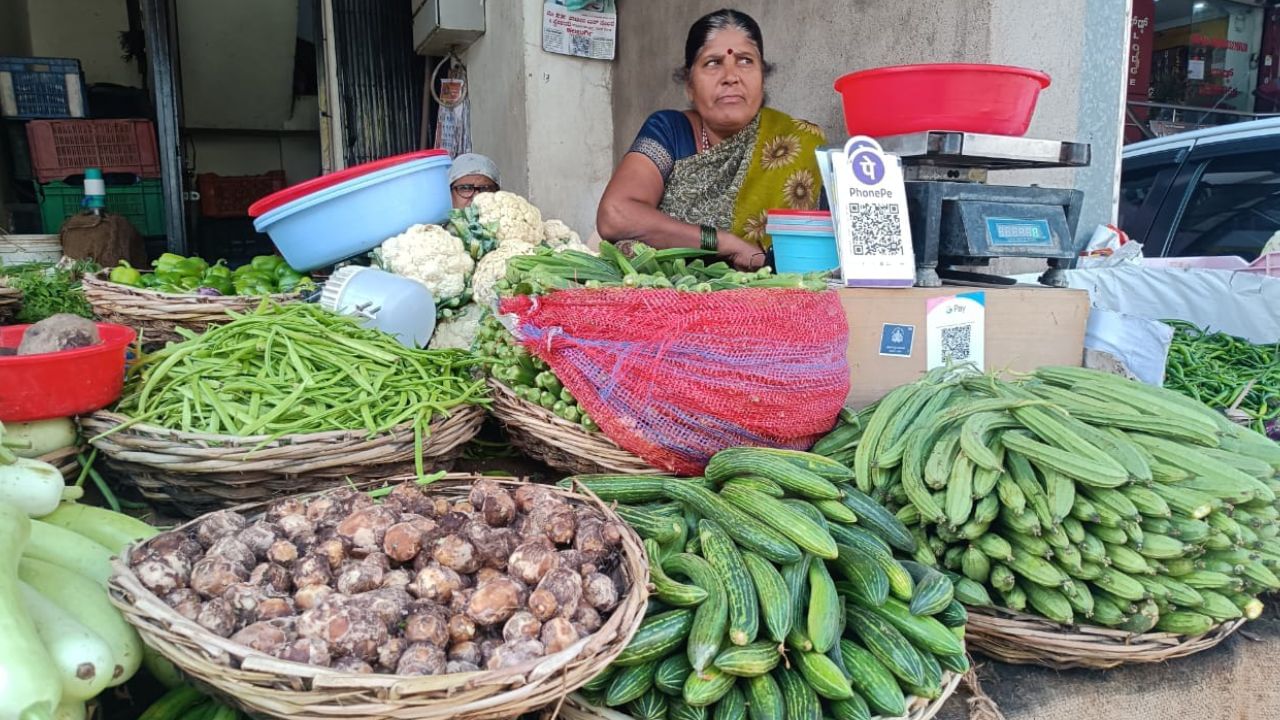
[141,203]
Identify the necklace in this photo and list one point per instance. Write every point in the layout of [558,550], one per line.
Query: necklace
[706,140]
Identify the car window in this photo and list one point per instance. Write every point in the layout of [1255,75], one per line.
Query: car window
[1234,208]
[1144,183]
[1135,188]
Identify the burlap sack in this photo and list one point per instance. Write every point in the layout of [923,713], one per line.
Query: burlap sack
[107,238]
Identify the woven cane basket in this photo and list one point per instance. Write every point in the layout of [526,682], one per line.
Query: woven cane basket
[196,473]
[155,315]
[1029,640]
[575,707]
[543,435]
[265,686]
[65,461]
[10,301]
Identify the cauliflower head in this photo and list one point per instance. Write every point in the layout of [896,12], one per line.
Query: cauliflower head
[460,330]
[516,219]
[433,257]
[558,236]
[492,268]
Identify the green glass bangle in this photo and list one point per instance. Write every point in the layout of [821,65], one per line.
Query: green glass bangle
[709,240]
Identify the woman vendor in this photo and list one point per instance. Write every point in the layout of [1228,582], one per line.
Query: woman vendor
[707,176]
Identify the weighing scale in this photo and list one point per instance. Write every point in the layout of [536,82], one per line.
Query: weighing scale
[957,218]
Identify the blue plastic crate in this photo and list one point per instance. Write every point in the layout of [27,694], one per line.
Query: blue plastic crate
[34,87]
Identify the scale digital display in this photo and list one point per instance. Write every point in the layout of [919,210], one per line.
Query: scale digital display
[1018,231]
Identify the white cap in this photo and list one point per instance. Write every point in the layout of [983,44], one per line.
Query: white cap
[473,164]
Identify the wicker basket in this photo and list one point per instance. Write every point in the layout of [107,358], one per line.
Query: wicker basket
[155,314]
[196,473]
[65,460]
[558,442]
[10,301]
[575,707]
[1029,640]
[263,685]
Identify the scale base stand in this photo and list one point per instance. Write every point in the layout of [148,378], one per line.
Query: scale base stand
[1054,277]
[927,277]
[974,278]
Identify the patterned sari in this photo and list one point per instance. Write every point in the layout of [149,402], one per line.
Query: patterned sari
[769,164]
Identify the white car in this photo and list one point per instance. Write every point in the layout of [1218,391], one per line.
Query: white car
[1204,193]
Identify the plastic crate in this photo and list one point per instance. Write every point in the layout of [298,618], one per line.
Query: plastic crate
[62,148]
[1268,265]
[141,203]
[231,196]
[39,87]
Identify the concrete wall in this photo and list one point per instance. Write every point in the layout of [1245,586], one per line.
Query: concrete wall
[14,37]
[545,119]
[496,70]
[84,29]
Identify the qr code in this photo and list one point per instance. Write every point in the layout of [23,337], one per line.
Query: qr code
[580,46]
[957,342]
[876,229]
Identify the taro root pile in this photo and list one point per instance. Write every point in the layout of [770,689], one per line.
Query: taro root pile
[414,585]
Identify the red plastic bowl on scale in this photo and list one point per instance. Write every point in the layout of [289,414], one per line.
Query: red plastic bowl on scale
[62,384]
[992,99]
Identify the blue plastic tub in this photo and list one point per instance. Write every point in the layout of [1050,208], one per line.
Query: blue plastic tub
[355,216]
[800,251]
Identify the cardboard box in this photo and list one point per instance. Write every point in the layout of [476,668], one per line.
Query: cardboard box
[1022,328]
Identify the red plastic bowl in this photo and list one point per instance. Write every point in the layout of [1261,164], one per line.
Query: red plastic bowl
[995,99]
[72,382]
[302,189]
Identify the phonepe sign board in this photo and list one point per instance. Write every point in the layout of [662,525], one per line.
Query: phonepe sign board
[873,233]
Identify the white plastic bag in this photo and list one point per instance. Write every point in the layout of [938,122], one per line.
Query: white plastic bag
[1110,247]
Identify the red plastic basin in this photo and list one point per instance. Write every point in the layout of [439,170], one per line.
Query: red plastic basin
[316,184]
[72,382]
[995,99]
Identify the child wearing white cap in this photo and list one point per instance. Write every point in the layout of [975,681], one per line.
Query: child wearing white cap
[471,173]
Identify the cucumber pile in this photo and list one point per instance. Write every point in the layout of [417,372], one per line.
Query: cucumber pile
[776,595]
[1076,495]
[688,269]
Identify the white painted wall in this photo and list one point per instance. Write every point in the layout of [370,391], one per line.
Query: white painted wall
[545,119]
[84,29]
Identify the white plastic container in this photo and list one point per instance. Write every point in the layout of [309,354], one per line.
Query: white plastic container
[384,301]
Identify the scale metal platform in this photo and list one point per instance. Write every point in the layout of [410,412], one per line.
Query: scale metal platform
[957,218]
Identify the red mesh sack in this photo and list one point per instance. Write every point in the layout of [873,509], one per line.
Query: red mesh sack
[675,377]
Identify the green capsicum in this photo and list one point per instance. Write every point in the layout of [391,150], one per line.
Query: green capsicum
[125,274]
[266,263]
[192,267]
[167,261]
[218,270]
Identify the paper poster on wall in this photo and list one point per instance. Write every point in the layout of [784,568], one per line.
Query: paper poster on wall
[955,330]
[582,28]
[1195,69]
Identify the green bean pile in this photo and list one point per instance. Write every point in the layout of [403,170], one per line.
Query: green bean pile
[1215,368]
[296,368]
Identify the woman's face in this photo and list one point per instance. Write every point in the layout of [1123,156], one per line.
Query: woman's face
[726,82]
[464,189]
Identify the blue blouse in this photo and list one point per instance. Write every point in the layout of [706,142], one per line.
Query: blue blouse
[667,136]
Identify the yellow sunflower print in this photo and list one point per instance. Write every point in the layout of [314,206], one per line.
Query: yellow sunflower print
[799,191]
[780,152]
[808,127]
[753,230]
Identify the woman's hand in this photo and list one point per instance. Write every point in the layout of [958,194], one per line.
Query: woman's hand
[741,254]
